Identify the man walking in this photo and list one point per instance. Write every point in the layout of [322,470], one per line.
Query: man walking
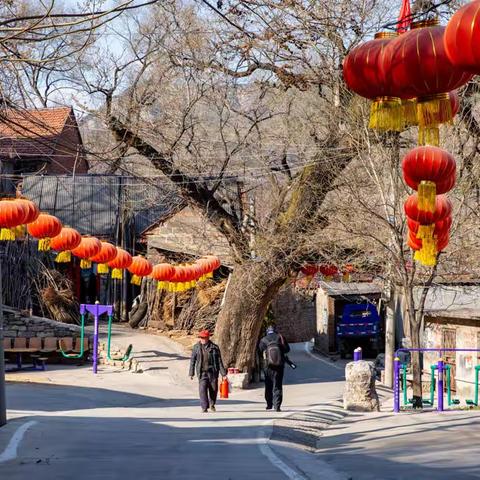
[274,348]
[207,363]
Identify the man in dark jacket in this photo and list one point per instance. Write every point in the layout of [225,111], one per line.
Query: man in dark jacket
[207,363]
[274,347]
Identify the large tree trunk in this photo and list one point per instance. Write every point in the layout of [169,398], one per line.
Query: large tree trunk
[252,287]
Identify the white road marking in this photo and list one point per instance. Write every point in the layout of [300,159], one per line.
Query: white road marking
[10,453]
[316,357]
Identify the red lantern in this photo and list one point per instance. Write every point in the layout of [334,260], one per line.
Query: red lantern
[179,279]
[140,267]
[107,253]
[328,271]
[162,273]
[440,229]
[431,171]
[88,248]
[45,227]
[32,211]
[64,242]
[309,270]
[122,261]
[12,214]
[416,65]
[462,38]
[443,209]
[363,74]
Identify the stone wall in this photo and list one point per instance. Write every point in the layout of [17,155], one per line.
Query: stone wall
[17,325]
[294,314]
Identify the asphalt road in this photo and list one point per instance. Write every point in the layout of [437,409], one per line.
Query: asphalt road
[121,425]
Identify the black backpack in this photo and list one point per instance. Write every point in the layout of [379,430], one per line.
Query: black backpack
[274,354]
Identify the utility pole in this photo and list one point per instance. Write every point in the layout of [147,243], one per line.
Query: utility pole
[3,404]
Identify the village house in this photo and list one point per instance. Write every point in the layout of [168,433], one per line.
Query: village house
[46,141]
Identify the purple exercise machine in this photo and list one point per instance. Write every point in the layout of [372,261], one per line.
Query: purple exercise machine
[440,369]
[96,310]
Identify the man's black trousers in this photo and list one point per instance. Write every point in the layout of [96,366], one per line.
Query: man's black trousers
[208,386]
[273,386]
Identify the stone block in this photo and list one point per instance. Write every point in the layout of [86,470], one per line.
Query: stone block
[360,394]
[238,380]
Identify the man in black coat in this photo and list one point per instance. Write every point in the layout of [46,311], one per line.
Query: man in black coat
[206,362]
[274,348]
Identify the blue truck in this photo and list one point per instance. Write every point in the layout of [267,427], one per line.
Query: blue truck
[359,326]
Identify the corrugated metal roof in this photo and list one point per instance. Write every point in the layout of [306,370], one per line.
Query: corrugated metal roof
[92,203]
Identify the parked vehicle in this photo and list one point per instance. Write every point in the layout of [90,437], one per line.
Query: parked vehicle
[359,325]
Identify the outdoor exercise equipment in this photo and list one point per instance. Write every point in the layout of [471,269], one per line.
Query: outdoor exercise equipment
[441,369]
[81,352]
[475,401]
[429,401]
[128,351]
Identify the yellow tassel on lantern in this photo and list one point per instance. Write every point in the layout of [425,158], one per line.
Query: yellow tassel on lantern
[386,114]
[162,286]
[136,280]
[425,232]
[63,257]
[44,245]
[20,231]
[433,110]
[7,234]
[427,255]
[102,269]
[426,196]
[209,275]
[409,112]
[429,136]
[85,264]
[117,273]
[346,277]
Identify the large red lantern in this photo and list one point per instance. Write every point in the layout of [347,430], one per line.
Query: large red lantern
[106,254]
[162,273]
[12,214]
[64,242]
[309,270]
[32,211]
[416,65]
[140,267]
[363,74]
[121,262]
[328,271]
[462,38]
[440,229]
[45,227]
[443,209]
[430,171]
[88,248]
[179,279]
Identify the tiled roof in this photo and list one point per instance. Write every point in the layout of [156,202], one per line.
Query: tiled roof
[45,122]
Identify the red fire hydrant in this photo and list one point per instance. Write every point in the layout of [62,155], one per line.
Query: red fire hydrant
[224,387]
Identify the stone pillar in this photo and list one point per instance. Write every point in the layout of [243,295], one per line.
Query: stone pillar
[360,394]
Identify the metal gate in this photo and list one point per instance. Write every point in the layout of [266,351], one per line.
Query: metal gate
[449,341]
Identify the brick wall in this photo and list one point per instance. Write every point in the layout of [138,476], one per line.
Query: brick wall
[294,313]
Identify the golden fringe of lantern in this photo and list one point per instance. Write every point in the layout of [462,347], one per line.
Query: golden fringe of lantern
[63,257]
[136,280]
[7,234]
[102,269]
[44,245]
[85,264]
[386,114]
[117,273]
[432,111]
[427,192]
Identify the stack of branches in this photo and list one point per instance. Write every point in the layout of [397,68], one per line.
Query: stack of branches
[57,297]
[190,311]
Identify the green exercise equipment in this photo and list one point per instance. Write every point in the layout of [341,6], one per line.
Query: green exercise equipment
[128,351]
[474,403]
[82,347]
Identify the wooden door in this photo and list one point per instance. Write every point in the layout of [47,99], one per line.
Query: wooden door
[449,341]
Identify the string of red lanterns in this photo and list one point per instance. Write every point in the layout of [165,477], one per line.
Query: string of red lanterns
[52,235]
